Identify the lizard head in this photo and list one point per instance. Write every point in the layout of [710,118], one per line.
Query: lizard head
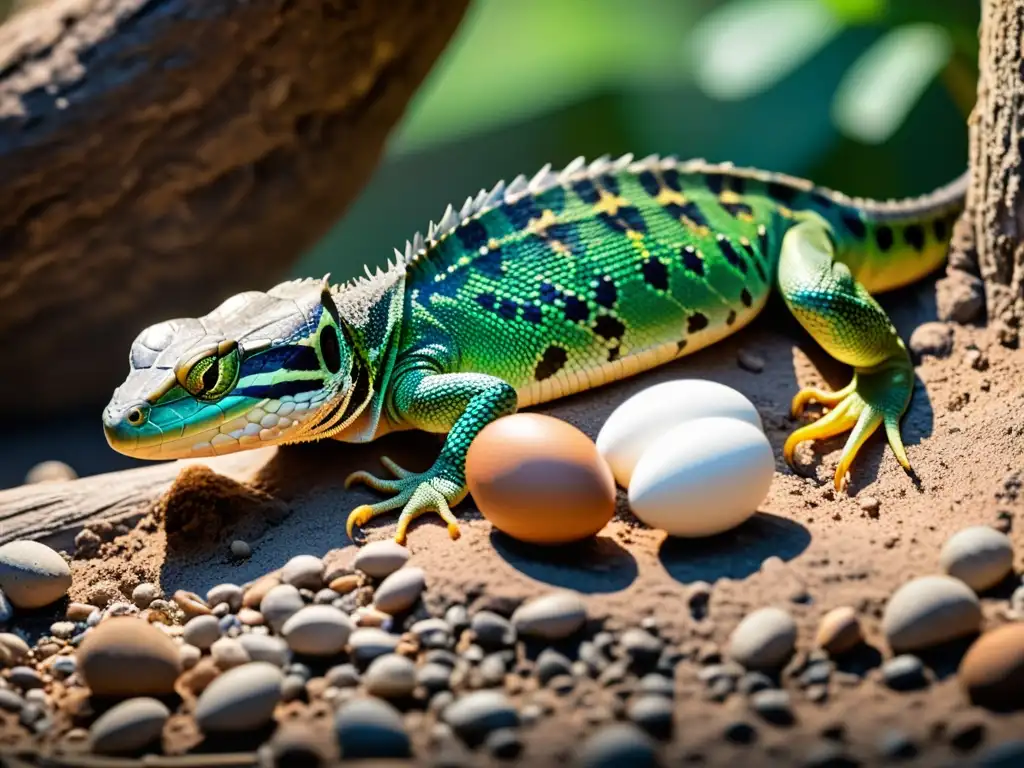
[260,369]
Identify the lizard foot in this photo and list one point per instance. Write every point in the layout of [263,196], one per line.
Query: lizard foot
[874,397]
[416,493]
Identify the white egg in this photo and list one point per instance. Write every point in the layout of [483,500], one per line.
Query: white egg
[648,414]
[702,477]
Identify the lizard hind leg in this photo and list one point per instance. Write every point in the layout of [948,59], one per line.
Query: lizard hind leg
[851,326]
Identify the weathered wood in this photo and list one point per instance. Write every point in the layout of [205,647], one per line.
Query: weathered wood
[158,155]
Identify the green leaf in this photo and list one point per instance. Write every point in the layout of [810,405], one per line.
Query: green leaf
[747,46]
[878,91]
[858,11]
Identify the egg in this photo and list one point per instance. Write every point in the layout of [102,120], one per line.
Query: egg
[648,414]
[540,479]
[702,477]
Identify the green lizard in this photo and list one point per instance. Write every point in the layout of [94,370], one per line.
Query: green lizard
[534,291]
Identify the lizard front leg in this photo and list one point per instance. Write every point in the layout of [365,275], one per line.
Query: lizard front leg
[460,404]
[851,326]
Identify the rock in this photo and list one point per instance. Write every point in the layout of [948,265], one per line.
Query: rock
[32,575]
[390,677]
[935,339]
[400,591]
[550,664]
[10,701]
[317,630]
[894,744]
[764,639]
[992,670]
[227,652]
[280,604]
[980,556]
[740,732]
[839,631]
[371,728]
[658,685]
[476,714]
[654,714]
[367,643]
[749,361]
[616,745]
[231,594]
[379,559]
[433,633]
[492,631]
[930,610]
[50,472]
[773,705]
[959,296]
[25,678]
[552,617]
[241,699]
[125,656]
[268,648]
[754,681]
[434,677]
[904,673]
[144,594]
[240,549]
[191,603]
[128,726]
[641,646]
[13,647]
[202,631]
[303,572]
[343,676]
[870,504]
[504,743]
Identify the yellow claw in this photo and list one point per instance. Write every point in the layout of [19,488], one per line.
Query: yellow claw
[833,423]
[824,397]
[358,516]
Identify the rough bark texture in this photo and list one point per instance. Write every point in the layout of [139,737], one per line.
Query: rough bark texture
[989,240]
[159,155]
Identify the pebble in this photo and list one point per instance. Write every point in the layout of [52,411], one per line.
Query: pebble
[190,603]
[750,361]
[433,633]
[654,714]
[79,611]
[240,549]
[268,648]
[773,705]
[367,643]
[379,559]
[279,604]
[552,617]
[228,653]
[870,504]
[959,296]
[641,646]
[400,591]
[457,617]
[128,726]
[240,699]
[32,574]
[369,728]
[317,630]
[504,743]
[992,670]
[434,677]
[980,556]
[304,572]
[904,673]
[754,681]
[764,639]
[10,701]
[934,338]
[894,744]
[476,714]
[144,594]
[550,664]
[740,732]
[231,594]
[202,631]
[658,685]
[390,676]
[616,745]
[492,631]
[839,631]
[343,676]
[930,610]
[125,656]
[189,655]
[13,646]
[65,666]
[25,678]
[50,472]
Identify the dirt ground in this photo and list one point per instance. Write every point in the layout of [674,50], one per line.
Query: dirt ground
[809,549]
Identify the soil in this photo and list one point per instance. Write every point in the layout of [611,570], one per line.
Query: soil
[809,549]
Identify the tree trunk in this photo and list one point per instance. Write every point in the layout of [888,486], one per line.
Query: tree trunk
[158,155]
[989,239]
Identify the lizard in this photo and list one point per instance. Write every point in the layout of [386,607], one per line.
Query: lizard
[533,291]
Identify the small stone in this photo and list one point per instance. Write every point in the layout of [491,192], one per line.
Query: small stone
[434,677]
[65,666]
[400,591]
[504,744]
[370,728]
[492,630]
[128,726]
[992,670]
[78,611]
[654,714]
[144,594]
[904,673]
[201,631]
[641,646]
[32,574]
[457,617]
[13,647]
[10,701]
[279,604]
[390,677]
[658,685]
[227,653]
[240,699]
[930,610]
[896,745]
[231,594]
[343,676]
[959,296]
[839,631]
[870,504]
[379,559]
[268,648]
[50,472]
[189,655]
[764,639]
[492,671]
[254,593]
[125,656]
[475,715]
[754,681]
[345,583]
[750,361]
[740,732]
[550,664]
[828,755]
[317,630]
[191,603]
[240,550]
[25,678]
[935,339]
[616,745]
[251,617]
[552,617]
[367,643]
[303,572]
[773,705]
[980,556]
[432,633]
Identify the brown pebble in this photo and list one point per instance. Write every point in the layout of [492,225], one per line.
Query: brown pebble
[200,676]
[79,611]
[259,588]
[251,617]
[871,505]
[50,472]
[839,630]
[345,584]
[992,670]
[123,656]
[371,617]
[191,603]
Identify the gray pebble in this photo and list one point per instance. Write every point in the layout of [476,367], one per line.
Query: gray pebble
[228,653]
[441,656]
[504,743]
[279,604]
[240,699]
[980,556]
[713,672]
[32,574]
[654,714]
[434,677]
[754,681]
[433,633]
[303,572]
[658,685]
[293,688]
[440,701]
[65,666]
[240,549]
[457,617]
[25,678]
[641,646]
[379,559]
[904,673]
[317,630]
[492,630]
[492,671]
[10,701]
[552,617]
[325,596]
[343,676]
[773,705]
[930,610]
[128,726]
[550,664]
[144,594]
[895,744]
[764,639]
[367,643]
[400,591]
[816,673]
[740,732]
[616,745]
[225,593]
[390,677]
[64,630]
[370,728]
[189,655]
[201,631]
[475,715]
[268,648]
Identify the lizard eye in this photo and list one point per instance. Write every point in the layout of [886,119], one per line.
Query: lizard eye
[211,375]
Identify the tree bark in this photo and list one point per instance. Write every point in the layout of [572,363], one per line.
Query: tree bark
[989,239]
[158,155]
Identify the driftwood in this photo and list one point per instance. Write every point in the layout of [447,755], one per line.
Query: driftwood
[158,155]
